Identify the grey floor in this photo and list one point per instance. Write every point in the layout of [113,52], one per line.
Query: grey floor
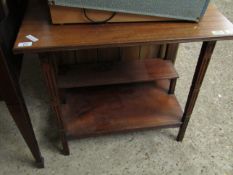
[207,148]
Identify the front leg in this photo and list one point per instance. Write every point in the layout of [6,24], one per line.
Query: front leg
[202,65]
[49,71]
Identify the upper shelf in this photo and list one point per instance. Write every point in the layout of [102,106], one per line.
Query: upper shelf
[213,26]
[116,73]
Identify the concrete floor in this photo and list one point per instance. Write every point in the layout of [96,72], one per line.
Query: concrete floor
[207,148]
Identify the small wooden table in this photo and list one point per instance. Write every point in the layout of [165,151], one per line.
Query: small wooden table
[121,106]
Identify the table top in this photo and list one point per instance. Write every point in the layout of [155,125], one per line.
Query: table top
[213,26]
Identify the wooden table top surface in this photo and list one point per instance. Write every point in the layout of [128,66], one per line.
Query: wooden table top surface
[213,26]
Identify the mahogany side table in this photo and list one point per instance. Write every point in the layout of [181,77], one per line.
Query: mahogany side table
[84,107]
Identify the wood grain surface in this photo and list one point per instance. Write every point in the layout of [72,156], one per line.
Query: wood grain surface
[93,111]
[70,37]
[109,73]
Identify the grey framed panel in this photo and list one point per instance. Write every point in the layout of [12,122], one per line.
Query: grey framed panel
[191,10]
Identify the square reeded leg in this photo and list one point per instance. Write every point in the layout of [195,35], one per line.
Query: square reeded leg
[202,65]
[171,55]
[49,70]
[21,117]
[12,95]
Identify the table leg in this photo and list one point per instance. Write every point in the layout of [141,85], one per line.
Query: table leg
[11,94]
[49,71]
[171,54]
[21,117]
[202,65]
[172,86]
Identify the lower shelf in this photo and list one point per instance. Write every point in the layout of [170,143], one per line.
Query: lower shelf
[99,110]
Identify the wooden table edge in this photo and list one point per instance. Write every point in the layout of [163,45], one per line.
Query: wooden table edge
[17,50]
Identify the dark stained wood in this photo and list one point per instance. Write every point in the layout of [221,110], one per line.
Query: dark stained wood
[11,93]
[2,13]
[86,56]
[1,96]
[111,54]
[70,37]
[108,54]
[202,65]
[10,66]
[109,73]
[149,51]
[91,111]
[171,52]
[172,86]
[49,71]
[9,25]
[130,53]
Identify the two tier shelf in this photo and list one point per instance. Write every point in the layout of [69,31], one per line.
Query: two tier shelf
[107,97]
